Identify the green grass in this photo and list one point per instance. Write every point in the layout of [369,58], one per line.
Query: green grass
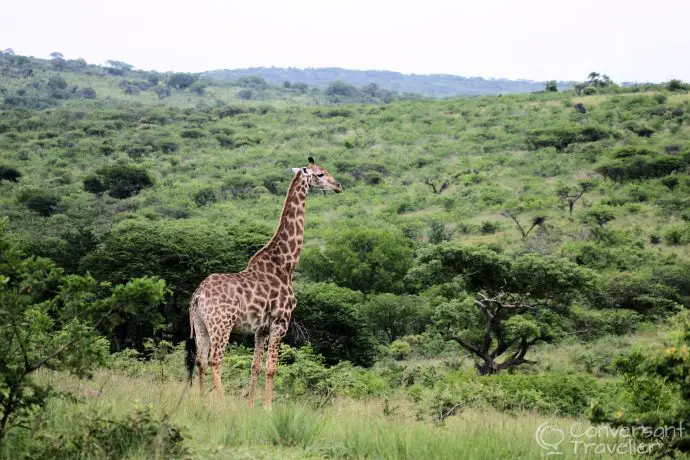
[216,427]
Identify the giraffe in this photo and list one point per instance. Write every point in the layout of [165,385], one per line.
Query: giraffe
[260,299]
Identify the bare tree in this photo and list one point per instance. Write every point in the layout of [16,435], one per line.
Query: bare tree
[440,189]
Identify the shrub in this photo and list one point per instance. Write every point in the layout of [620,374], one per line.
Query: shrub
[438,232]
[640,167]
[193,133]
[101,435]
[400,349]
[678,235]
[653,395]
[9,174]
[94,184]
[87,93]
[120,181]
[671,182]
[56,83]
[333,323]
[40,202]
[205,197]
[365,259]
[638,292]
[245,94]
[489,227]
[332,113]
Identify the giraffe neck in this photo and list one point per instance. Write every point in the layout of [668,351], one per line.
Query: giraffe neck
[281,253]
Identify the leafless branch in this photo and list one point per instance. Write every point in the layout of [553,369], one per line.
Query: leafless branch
[439,190]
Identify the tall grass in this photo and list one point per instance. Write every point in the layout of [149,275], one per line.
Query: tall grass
[225,427]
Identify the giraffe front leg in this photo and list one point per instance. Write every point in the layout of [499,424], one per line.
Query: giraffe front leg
[276,336]
[259,346]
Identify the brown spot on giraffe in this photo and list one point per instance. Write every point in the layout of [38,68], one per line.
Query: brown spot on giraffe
[260,299]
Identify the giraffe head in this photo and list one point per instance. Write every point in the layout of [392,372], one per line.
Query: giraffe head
[318,178]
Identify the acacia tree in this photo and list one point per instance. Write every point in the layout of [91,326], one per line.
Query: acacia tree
[565,195]
[496,306]
[513,214]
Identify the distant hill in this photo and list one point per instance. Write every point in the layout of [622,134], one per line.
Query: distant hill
[437,85]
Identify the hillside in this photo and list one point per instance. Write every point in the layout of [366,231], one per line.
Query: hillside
[435,85]
[26,82]
[494,263]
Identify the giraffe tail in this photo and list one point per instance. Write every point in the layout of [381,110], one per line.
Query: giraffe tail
[190,344]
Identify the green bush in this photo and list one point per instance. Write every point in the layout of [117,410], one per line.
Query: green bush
[40,202]
[205,197]
[193,133]
[120,181]
[488,227]
[365,259]
[546,393]
[100,435]
[334,324]
[653,394]
[9,174]
[94,184]
[640,167]
[400,349]
[678,234]
[636,291]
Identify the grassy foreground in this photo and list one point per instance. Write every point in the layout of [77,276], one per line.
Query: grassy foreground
[216,427]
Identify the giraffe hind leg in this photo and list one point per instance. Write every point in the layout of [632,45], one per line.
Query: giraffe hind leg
[218,343]
[203,348]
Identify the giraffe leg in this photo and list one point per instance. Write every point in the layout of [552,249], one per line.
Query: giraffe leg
[260,339]
[202,373]
[203,347]
[218,344]
[277,334]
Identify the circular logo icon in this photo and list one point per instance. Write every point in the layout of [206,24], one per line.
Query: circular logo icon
[549,438]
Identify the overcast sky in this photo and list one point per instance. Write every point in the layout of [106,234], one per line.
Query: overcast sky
[631,40]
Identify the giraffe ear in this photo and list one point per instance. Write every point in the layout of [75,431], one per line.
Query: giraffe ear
[310,160]
[296,170]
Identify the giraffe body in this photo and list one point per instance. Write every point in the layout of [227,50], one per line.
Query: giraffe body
[260,299]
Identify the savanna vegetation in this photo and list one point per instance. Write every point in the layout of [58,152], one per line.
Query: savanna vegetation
[494,263]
